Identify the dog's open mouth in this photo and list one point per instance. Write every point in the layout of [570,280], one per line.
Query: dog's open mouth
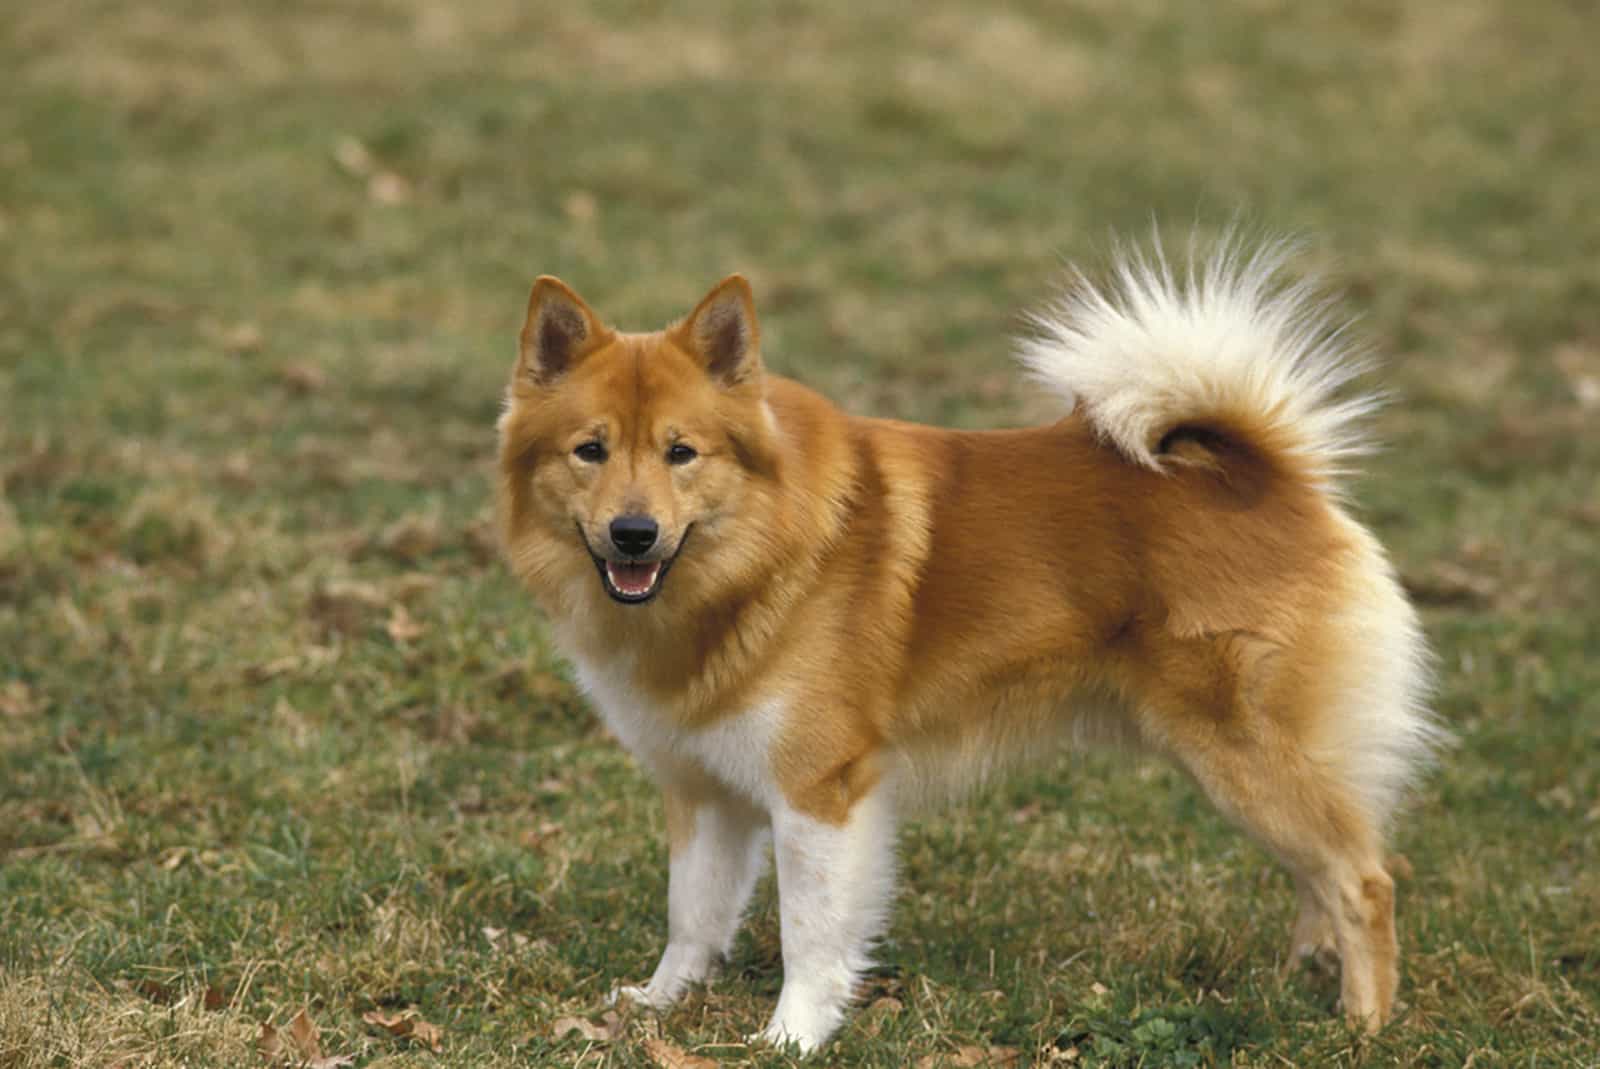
[628,581]
[633,582]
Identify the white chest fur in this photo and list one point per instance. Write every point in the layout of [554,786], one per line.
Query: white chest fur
[736,750]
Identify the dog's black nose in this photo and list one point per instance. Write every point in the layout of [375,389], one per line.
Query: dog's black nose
[634,535]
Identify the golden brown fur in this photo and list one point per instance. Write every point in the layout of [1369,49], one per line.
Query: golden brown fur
[930,602]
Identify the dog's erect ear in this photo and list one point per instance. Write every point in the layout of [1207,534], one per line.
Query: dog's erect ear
[722,332]
[560,330]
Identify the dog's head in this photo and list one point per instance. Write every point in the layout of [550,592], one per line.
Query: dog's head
[626,458]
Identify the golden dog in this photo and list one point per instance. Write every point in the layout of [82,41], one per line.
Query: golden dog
[796,618]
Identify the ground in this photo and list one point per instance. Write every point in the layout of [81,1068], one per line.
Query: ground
[278,734]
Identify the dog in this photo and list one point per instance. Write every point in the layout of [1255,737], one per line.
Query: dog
[800,620]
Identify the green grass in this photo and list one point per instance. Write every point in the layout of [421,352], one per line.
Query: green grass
[276,729]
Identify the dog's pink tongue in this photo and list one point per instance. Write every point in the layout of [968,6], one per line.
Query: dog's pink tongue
[633,578]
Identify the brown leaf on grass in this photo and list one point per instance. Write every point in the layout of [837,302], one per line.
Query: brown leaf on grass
[581,206]
[609,1028]
[386,187]
[260,673]
[1025,813]
[292,723]
[410,587]
[352,156]
[17,700]
[303,1031]
[407,1025]
[671,1056]
[1446,583]
[156,991]
[480,540]
[968,1057]
[211,997]
[407,540]
[301,1048]
[237,470]
[1581,366]
[301,378]
[269,1043]
[503,940]
[537,836]
[516,680]
[402,627]
[346,606]
[1400,867]
[242,338]
[309,659]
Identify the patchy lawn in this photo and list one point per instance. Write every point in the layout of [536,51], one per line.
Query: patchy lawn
[278,735]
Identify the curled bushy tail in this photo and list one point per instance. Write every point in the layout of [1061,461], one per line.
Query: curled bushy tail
[1227,345]
[1233,347]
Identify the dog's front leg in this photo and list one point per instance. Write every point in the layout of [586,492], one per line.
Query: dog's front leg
[718,847]
[835,885]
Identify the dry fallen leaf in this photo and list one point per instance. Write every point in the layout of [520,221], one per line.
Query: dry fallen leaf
[428,1035]
[407,1025]
[304,1033]
[303,1050]
[242,338]
[501,939]
[302,378]
[534,837]
[609,1028]
[1447,583]
[479,538]
[402,626]
[346,606]
[1025,813]
[268,1042]
[581,206]
[157,992]
[260,673]
[353,157]
[1581,366]
[386,187]
[670,1056]
[970,1057]
[16,700]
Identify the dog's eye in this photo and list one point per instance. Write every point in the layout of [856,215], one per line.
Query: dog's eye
[591,452]
[681,454]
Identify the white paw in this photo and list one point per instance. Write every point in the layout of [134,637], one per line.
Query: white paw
[803,1037]
[639,996]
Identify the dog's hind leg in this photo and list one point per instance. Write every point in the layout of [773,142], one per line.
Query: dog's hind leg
[1313,940]
[718,846]
[1265,783]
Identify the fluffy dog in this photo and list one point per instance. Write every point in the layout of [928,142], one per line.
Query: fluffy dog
[796,619]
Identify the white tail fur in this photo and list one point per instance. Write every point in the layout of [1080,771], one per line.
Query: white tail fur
[1232,342]
[1228,341]
[1381,733]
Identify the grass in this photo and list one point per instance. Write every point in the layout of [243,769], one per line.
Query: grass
[276,731]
